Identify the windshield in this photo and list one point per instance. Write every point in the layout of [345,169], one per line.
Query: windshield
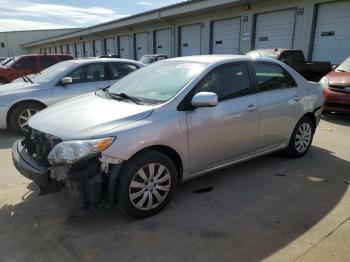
[147,59]
[52,72]
[158,82]
[345,66]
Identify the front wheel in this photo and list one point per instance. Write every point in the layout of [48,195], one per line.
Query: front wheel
[146,184]
[301,139]
[20,116]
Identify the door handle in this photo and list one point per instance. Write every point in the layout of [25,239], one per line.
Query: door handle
[251,108]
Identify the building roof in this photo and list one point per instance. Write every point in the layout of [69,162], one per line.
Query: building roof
[173,10]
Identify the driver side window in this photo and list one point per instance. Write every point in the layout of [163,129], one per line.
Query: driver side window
[88,73]
[227,81]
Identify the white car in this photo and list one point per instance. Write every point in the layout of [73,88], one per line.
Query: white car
[21,100]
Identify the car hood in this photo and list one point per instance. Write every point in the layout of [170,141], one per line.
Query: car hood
[338,78]
[17,87]
[86,116]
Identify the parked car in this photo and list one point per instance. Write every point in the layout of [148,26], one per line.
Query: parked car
[24,65]
[21,100]
[2,59]
[149,59]
[336,89]
[312,71]
[4,62]
[167,123]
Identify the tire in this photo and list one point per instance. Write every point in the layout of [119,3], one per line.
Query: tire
[17,117]
[139,199]
[301,139]
[3,81]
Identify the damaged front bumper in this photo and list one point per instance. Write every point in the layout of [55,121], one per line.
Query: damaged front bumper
[93,179]
[39,174]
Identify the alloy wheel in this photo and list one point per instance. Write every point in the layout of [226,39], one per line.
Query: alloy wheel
[149,186]
[303,137]
[24,118]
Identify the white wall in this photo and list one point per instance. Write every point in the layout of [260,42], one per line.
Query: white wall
[13,40]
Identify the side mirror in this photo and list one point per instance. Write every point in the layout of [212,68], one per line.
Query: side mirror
[204,99]
[66,81]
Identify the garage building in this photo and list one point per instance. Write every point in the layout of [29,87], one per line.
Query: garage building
[318,27]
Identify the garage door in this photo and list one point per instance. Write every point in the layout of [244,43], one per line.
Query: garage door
[97,47]
[71,49]
[124,46]
[226,34]
[141,45]
[87,49]
[79,50]
[332,34]
[190,40]
[275,29]
[109,42]
[163,42]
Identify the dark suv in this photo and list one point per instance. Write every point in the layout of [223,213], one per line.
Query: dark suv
[27,65]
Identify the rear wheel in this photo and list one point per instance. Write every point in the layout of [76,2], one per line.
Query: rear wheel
[301,139]
[3,81]
[21,114]
[146,184]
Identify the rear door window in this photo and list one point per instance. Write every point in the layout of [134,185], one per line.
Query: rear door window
[119,70]
[272,77]
[47,61]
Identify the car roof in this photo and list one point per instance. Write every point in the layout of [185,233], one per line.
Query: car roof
[104,60]
[44,55]
[213,59]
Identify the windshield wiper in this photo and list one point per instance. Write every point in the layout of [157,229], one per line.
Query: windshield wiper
[123,96]
[341,70]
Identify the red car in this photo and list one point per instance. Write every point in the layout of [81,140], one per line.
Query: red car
[336,89]
[27,65]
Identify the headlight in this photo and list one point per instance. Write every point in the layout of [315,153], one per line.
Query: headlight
[324,82]
[69,152]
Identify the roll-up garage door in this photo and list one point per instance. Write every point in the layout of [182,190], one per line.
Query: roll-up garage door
[163,42]
[124,46]
[275,29]
[109,46]
[226,36]
[79,50]
[87,49]
[141,45]
[71,49]
[190,36]
[97,47]
[332,34]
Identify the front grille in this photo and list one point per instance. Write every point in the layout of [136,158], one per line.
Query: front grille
[340,88]
[39,145]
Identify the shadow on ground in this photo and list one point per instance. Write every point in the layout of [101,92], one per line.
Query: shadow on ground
[339,119]
[254,210]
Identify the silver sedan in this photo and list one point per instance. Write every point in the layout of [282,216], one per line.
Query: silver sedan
[20,100]
[167,123]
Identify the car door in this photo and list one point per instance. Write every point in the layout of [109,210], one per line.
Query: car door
[86,78]
[218,135]
[119,70]
[279,103]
